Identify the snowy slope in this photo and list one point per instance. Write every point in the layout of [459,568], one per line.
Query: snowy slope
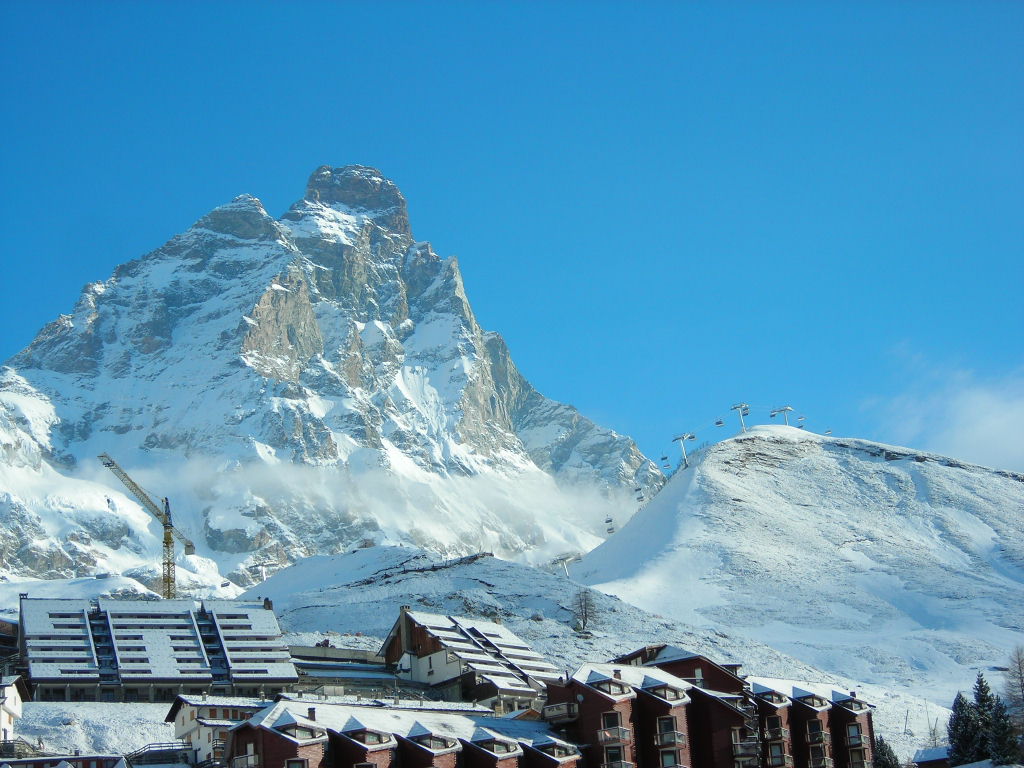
[875,562]
[361,592]
[296,386]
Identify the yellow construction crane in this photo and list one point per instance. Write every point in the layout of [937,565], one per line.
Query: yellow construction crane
[163,515]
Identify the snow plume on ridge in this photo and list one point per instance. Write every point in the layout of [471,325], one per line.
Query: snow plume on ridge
[327,338]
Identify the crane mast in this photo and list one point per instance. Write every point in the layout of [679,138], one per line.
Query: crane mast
[164,516]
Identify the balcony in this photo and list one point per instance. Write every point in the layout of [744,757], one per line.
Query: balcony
[617,764]
[776,734]
[615,735]
[670,739]
[780,761]
[821,762]
[746,748]
[560,713]
[854,739]
[819,737]
[862,764]
[245,761]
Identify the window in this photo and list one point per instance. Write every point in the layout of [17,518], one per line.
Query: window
[610,719]
[772,721]
[666,724]
[853,735]
[669,757]
[814,726]
[613,754]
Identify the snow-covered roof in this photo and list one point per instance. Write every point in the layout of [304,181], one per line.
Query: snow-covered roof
[153,640]
[405,723]
[647,679]
[931,753]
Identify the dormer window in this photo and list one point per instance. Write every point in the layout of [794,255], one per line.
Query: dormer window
[298,732]
[667,692]
[430,741]
[558,750]
[369,737]
[609,686]
[497,747]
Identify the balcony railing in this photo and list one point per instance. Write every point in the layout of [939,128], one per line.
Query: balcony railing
[617,764]
[821,762]
[745,748]
[670,739]
[862,764]
[560,713]
[776,734]
[854,739]
[245,761]
[780,761]
[615,735]
[819,737]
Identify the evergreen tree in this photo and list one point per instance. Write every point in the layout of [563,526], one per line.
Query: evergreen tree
[984,704]
[1002,741]
[964,732]
[884,756]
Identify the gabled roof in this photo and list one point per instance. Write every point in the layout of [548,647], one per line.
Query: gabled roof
[646,679]
[931,753]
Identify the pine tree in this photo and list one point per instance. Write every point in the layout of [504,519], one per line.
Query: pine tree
[1002,740]
[884,756]
[1013,688]
[984,704]
[964,732]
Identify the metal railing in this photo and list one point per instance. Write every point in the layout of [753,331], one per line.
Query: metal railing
[780,761]
[862,764]
[776,734]
[245,761]
[821,762]
[617,764]
[560,712]
[670,739]
[615,735]
[854,739]
[747,748]
[819,737]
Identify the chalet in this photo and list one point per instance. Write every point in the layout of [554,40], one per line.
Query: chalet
[203,721]
[624,715]
[463,659]
[301,734]
[13,693]
[140,650]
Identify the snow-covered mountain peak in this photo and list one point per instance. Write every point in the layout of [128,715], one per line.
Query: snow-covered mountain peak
[335,365]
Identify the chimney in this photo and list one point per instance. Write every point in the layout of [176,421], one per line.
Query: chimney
[268,604]
[311,713]
[204,695]
[617,674]
[404,631]
[853,694]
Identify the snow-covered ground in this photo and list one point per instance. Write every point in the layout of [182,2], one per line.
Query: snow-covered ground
[362,592]
[94,727]
[883,564]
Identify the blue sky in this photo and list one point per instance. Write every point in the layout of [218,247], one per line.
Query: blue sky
[664,208]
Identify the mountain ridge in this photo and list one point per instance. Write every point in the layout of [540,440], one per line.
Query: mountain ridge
[327,338]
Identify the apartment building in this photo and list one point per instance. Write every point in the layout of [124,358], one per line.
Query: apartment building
[303,734]
[141,650]
[623,716]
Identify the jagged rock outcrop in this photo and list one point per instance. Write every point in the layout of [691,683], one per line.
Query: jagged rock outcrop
[299,385]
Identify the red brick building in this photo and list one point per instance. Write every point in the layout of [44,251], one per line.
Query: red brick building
[304,734]
[623,715]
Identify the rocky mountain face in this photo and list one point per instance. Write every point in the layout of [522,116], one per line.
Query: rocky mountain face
[296,386]
[883,564]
